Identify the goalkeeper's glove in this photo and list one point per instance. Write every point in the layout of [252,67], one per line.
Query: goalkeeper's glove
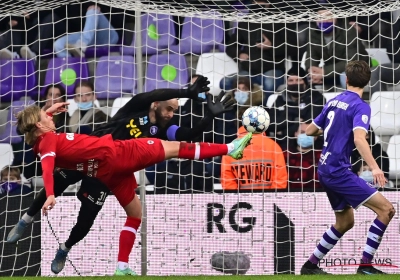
[223,103]
[199,86]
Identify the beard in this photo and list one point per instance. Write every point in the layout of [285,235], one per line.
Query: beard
[161,121]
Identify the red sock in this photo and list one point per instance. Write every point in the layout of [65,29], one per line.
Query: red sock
[127,238]
[201,150]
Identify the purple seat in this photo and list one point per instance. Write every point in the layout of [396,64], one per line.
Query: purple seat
[57,66]
[200,36]
[10,135]
[47,54]
[102,50]
[17,78]
[156,69]
[114,75]
[158,33]
[97,51]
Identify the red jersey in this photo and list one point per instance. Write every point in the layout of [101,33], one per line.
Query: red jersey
[88,154]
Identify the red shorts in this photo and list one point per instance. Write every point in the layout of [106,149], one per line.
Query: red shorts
[131,156]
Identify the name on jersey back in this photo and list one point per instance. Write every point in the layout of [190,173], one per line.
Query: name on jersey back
[338,104]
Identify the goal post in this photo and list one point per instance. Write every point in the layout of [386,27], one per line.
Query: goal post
[191,221]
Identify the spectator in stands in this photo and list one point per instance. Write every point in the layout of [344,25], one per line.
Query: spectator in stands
[87,116]
[378,153]
[262,166]
[29,35]
[245,95]
[260,50]
[47,25]
[365,173]
[335,44]
[13,35]
[298,102]
[54,94]
[374,29]
[302,159]
[97,31]
[10,182]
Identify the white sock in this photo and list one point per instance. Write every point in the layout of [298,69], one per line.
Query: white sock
[123,265]
[64,248]
[231,147]
[27,219]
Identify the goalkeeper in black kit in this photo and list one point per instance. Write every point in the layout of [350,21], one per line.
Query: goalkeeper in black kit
[145,115]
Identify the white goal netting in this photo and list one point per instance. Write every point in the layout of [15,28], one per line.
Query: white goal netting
[288,56]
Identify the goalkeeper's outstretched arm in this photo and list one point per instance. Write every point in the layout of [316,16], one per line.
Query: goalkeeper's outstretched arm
[144,100]
[223,103]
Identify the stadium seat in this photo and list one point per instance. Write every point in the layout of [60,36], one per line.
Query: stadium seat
[6,155]
[72,107]
[9,134]
[102,50]
[380,55]
[271,100]
[166,71]
[17,78]
[216,66]
[393,152]
[385,113]
[329,95]
[117,104]
[200,36]
[157,34]
[69,69]
[114,76]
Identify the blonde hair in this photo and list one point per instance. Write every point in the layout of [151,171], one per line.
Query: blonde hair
[9,170]
[26,122]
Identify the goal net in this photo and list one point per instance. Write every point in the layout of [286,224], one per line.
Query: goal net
[262,215]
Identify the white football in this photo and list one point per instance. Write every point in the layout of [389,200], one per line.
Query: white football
[255,119]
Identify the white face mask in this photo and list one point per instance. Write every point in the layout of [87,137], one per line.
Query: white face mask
[84,106]
[367,176]
[241,97]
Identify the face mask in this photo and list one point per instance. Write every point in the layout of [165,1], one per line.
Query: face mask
[295,90]
[84,106]
[326,27]
[305,141]
[367,176]
[8,187]
[202,95]
[241,97]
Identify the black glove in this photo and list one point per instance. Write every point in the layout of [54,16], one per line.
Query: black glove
[218,107]
[199,86]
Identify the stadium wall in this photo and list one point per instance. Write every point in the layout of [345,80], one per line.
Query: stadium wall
[278,231]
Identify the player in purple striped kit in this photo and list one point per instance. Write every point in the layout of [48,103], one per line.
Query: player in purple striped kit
[344,122]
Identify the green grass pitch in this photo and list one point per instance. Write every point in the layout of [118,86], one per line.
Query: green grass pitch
[248,277]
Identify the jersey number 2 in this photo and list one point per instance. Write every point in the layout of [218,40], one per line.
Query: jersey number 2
[331,116]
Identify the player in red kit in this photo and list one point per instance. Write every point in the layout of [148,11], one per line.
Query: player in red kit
[104,158]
